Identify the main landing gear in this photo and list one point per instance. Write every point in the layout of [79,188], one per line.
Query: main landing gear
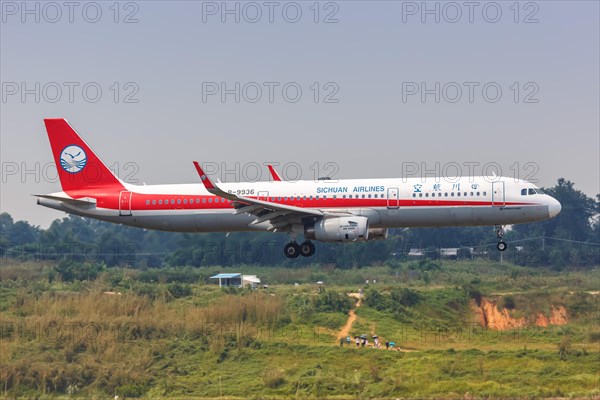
[293,249]
[501,246]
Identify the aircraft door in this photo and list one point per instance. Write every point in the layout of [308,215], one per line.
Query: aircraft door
[263,195]
[125,203]
[498,197]
[393,198]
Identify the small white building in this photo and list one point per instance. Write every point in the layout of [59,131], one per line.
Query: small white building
[237,280]
[250,281]
[449,252]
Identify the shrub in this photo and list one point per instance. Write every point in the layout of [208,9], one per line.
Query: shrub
[332,302]
[406,297]
[130,390]
[273,378]
[509,302]
[179,290]
[594,337]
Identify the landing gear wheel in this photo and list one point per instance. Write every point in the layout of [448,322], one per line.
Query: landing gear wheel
[307,248]
[291,250]
[501,246]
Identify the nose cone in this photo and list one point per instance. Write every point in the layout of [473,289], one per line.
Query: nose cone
[554,207]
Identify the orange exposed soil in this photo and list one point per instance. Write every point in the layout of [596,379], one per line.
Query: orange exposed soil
[491,317]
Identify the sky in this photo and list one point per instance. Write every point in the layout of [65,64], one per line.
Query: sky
[350,89]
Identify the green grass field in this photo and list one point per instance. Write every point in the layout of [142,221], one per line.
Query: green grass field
[168,334]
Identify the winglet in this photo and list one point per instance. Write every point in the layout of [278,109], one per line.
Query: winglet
[204,178]
[274,174]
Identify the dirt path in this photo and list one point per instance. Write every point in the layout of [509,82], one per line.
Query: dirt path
[351,318]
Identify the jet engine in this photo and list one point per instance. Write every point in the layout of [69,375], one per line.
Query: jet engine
[338,229]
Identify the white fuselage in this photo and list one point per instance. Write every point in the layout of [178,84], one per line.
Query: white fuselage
[387,203]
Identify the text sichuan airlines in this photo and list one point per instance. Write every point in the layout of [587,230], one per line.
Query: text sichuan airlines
[356,189]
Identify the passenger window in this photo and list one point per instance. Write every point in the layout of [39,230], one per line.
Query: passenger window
[484,193]
[184,201]
[153,202]
[414,195]
[173,201]
[204,199]
[147,202]
[160,202]
[477,193]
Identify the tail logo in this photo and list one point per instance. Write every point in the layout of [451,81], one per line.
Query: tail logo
[73,159]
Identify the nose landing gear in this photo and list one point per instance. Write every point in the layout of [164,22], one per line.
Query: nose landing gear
[501,246]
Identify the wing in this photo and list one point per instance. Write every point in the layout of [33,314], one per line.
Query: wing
[269,215]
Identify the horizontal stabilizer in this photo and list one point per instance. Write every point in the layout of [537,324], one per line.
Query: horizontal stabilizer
[85,201]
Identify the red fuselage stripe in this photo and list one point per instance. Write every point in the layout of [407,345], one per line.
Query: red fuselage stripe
[140,202]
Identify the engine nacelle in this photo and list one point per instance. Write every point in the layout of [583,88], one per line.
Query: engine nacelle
[338,229]
[377,234]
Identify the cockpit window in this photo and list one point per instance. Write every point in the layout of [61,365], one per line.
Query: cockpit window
[539,191]
[523,192]
[531,191]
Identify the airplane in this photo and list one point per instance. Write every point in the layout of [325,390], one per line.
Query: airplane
[348,210]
